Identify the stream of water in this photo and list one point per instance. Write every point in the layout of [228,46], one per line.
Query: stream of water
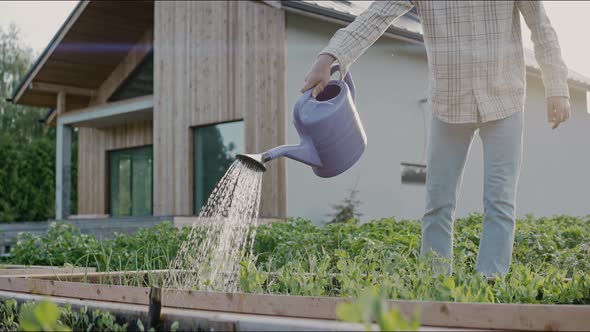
[210,258]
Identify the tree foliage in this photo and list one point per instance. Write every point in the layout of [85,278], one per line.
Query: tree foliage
[27,176]
[27,149]
[21,123]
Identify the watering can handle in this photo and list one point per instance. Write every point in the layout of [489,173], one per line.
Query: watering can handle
[347,79]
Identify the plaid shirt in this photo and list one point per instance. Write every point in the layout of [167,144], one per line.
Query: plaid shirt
[475,53]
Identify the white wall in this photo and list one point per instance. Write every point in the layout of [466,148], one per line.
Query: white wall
[391,78]
[555,177]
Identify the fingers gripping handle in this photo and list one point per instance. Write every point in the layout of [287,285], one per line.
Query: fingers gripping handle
[347,79]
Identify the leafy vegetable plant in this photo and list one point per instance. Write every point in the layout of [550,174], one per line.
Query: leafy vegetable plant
[371,307]
[551,259]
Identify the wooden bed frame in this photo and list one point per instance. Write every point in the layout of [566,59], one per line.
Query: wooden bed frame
[525,317]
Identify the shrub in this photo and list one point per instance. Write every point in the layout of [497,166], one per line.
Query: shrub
[62,244]
[46,316]
[147,249]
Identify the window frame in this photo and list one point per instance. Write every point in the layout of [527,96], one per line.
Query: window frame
[119,92]
[406,179]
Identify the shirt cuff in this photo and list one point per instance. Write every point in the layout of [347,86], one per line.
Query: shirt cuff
[557,91]
[344,65]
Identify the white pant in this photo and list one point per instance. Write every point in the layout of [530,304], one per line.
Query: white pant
[447,152]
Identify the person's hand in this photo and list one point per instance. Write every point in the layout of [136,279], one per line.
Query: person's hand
[319,74]
[558,110]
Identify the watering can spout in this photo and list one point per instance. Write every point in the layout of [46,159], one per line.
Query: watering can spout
[304,152]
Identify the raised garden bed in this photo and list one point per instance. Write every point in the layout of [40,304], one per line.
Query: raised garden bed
[23,270]
[527,317]
[548,286]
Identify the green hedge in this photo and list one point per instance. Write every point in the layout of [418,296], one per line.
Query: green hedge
[27,179]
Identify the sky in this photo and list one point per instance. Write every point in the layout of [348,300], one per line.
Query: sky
[39,21]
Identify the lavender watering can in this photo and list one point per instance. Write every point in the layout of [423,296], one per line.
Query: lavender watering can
[331,132]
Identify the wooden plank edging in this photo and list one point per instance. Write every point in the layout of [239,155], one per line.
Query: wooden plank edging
[527,317]
[45,271]
[112,293]
[95,276]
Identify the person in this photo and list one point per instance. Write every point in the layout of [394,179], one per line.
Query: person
[477,83]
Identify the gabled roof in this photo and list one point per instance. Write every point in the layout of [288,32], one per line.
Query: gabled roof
[89,45]
[410,22]
[408,27]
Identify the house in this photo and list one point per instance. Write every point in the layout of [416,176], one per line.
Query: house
[163,94]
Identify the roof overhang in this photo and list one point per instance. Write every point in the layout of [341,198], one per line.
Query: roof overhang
[111,114]
[89,45]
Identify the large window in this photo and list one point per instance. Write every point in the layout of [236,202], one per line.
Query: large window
[130,182]
[139,83]
[215,148]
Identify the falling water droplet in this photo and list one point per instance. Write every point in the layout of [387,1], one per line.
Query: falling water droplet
[210,257]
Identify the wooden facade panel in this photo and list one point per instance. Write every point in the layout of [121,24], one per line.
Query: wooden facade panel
[93,145]
[216,62]
[163,41]
[260,93]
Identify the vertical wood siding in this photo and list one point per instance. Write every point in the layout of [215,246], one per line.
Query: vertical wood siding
[93,145]
[216,61]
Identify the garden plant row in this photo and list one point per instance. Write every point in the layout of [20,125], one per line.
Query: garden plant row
[551,260]
[46,316]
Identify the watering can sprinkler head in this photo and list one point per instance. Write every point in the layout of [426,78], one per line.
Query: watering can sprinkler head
[253,161]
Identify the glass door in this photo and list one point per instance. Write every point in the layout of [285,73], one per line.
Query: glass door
[130,182]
